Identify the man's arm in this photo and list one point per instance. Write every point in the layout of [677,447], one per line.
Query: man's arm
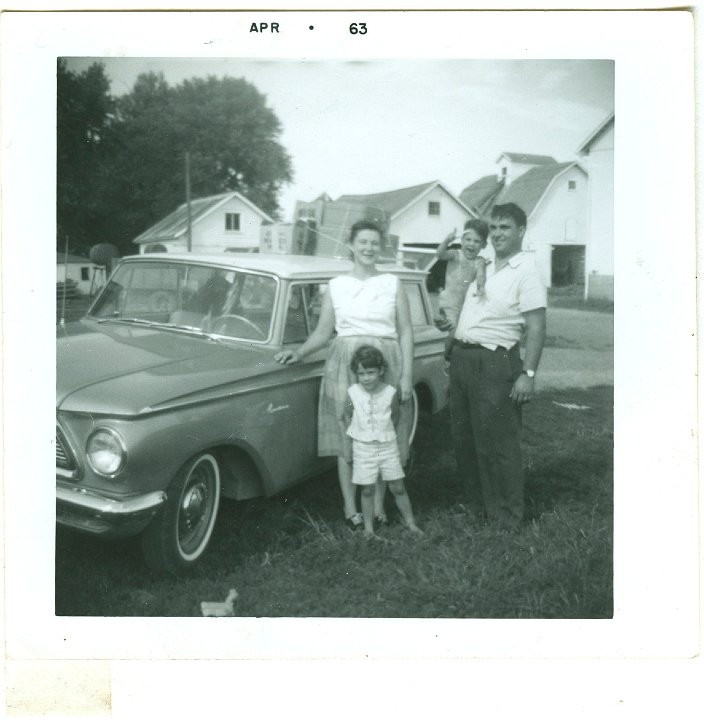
[524,387]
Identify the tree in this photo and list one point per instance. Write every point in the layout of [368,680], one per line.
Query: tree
[83,116]
[225,126]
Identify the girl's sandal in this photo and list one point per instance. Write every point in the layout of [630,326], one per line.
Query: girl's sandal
[355,522]
[381,520]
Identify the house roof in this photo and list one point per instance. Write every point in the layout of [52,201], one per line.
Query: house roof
[527,159]
[584,147]
[396,201]
[176,223]
[528,189]
[391,201]
[480,194]
[62,258]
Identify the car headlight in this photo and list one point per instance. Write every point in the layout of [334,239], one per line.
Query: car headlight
[105,452]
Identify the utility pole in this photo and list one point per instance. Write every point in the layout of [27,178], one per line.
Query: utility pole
[188,200]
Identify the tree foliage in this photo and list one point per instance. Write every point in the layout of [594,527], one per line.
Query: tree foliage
[224,124]
[84,113]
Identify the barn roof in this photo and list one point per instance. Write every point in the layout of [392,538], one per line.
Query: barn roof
[595,134]
[391,201]
[395,201]
[528,189]
[527,158]
[175,224]
[480,194]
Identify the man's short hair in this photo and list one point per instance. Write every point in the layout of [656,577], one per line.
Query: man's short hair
[510,210]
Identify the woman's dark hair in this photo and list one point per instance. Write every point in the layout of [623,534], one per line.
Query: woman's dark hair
[479,227]
[365,224]
[367,356]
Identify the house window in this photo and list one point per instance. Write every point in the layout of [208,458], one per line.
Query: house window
[433,208]
[232,221]
[85,273]
[571,184]
[504,171]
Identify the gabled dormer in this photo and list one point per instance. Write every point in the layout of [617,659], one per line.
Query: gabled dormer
[510,165]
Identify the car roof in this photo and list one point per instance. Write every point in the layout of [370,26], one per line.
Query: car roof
[285,266]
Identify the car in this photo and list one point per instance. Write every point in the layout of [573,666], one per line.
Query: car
[169,397]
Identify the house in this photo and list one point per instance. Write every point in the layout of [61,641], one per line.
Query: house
[419,216]
[219,223]
[597,153]
[80,270]
[554,197]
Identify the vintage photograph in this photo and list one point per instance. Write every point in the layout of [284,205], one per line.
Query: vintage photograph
[368,358]
[334,337]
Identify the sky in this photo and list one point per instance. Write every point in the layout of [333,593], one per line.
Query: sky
[357,127]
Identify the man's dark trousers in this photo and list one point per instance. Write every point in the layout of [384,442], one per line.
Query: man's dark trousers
[486,430]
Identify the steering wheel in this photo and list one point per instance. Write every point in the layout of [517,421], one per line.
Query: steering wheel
[245,321]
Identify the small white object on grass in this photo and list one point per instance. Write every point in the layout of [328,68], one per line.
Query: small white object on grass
[571,406]
[220,609]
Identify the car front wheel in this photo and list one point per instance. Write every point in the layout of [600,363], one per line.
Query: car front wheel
[179,534]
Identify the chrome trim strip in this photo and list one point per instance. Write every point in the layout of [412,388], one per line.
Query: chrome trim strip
[107,506]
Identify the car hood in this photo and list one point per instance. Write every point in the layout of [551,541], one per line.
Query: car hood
[120,369]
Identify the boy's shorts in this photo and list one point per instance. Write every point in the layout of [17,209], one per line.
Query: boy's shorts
[369,459]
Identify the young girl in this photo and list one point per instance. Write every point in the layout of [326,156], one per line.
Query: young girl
[464,266]
[371,414]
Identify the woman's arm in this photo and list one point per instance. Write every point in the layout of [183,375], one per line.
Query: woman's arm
[442,252]
[395,410]
[405,338]
[317,339]
[347,411]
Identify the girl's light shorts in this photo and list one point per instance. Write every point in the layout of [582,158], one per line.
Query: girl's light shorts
[369,459]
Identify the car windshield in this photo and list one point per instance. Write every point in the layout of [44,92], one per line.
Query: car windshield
[191,298]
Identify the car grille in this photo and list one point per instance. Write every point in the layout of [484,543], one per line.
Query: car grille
[64,458]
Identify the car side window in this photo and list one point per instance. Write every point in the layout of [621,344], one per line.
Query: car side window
[416,304]
[303,311]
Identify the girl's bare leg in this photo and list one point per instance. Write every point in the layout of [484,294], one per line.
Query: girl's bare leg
[349,491]
[403,503]
[379,496]
[368,508]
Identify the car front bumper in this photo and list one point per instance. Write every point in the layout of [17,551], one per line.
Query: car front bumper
[88,511]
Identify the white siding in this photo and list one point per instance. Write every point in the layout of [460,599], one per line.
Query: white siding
[210,236]
[600,163]
[72,271]
[415,225]
[560,218]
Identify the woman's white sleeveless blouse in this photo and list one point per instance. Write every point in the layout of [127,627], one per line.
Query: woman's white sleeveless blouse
[365,307]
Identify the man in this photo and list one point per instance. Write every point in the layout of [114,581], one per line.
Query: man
[488,382]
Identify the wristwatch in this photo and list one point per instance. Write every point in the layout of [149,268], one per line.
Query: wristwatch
[529,373]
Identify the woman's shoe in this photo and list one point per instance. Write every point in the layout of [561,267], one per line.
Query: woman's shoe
[355,522]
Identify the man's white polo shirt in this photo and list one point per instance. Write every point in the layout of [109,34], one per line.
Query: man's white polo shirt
[497,319]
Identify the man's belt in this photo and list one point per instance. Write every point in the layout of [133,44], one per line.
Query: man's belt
[469,346]
[475,346]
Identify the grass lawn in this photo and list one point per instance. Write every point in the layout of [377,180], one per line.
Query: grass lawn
[293,556]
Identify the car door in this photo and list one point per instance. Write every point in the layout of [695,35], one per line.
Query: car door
[295,406]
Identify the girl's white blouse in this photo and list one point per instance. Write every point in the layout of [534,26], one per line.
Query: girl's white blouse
[371,420]
[365,307]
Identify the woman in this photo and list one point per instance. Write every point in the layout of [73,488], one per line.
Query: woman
[364,307]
